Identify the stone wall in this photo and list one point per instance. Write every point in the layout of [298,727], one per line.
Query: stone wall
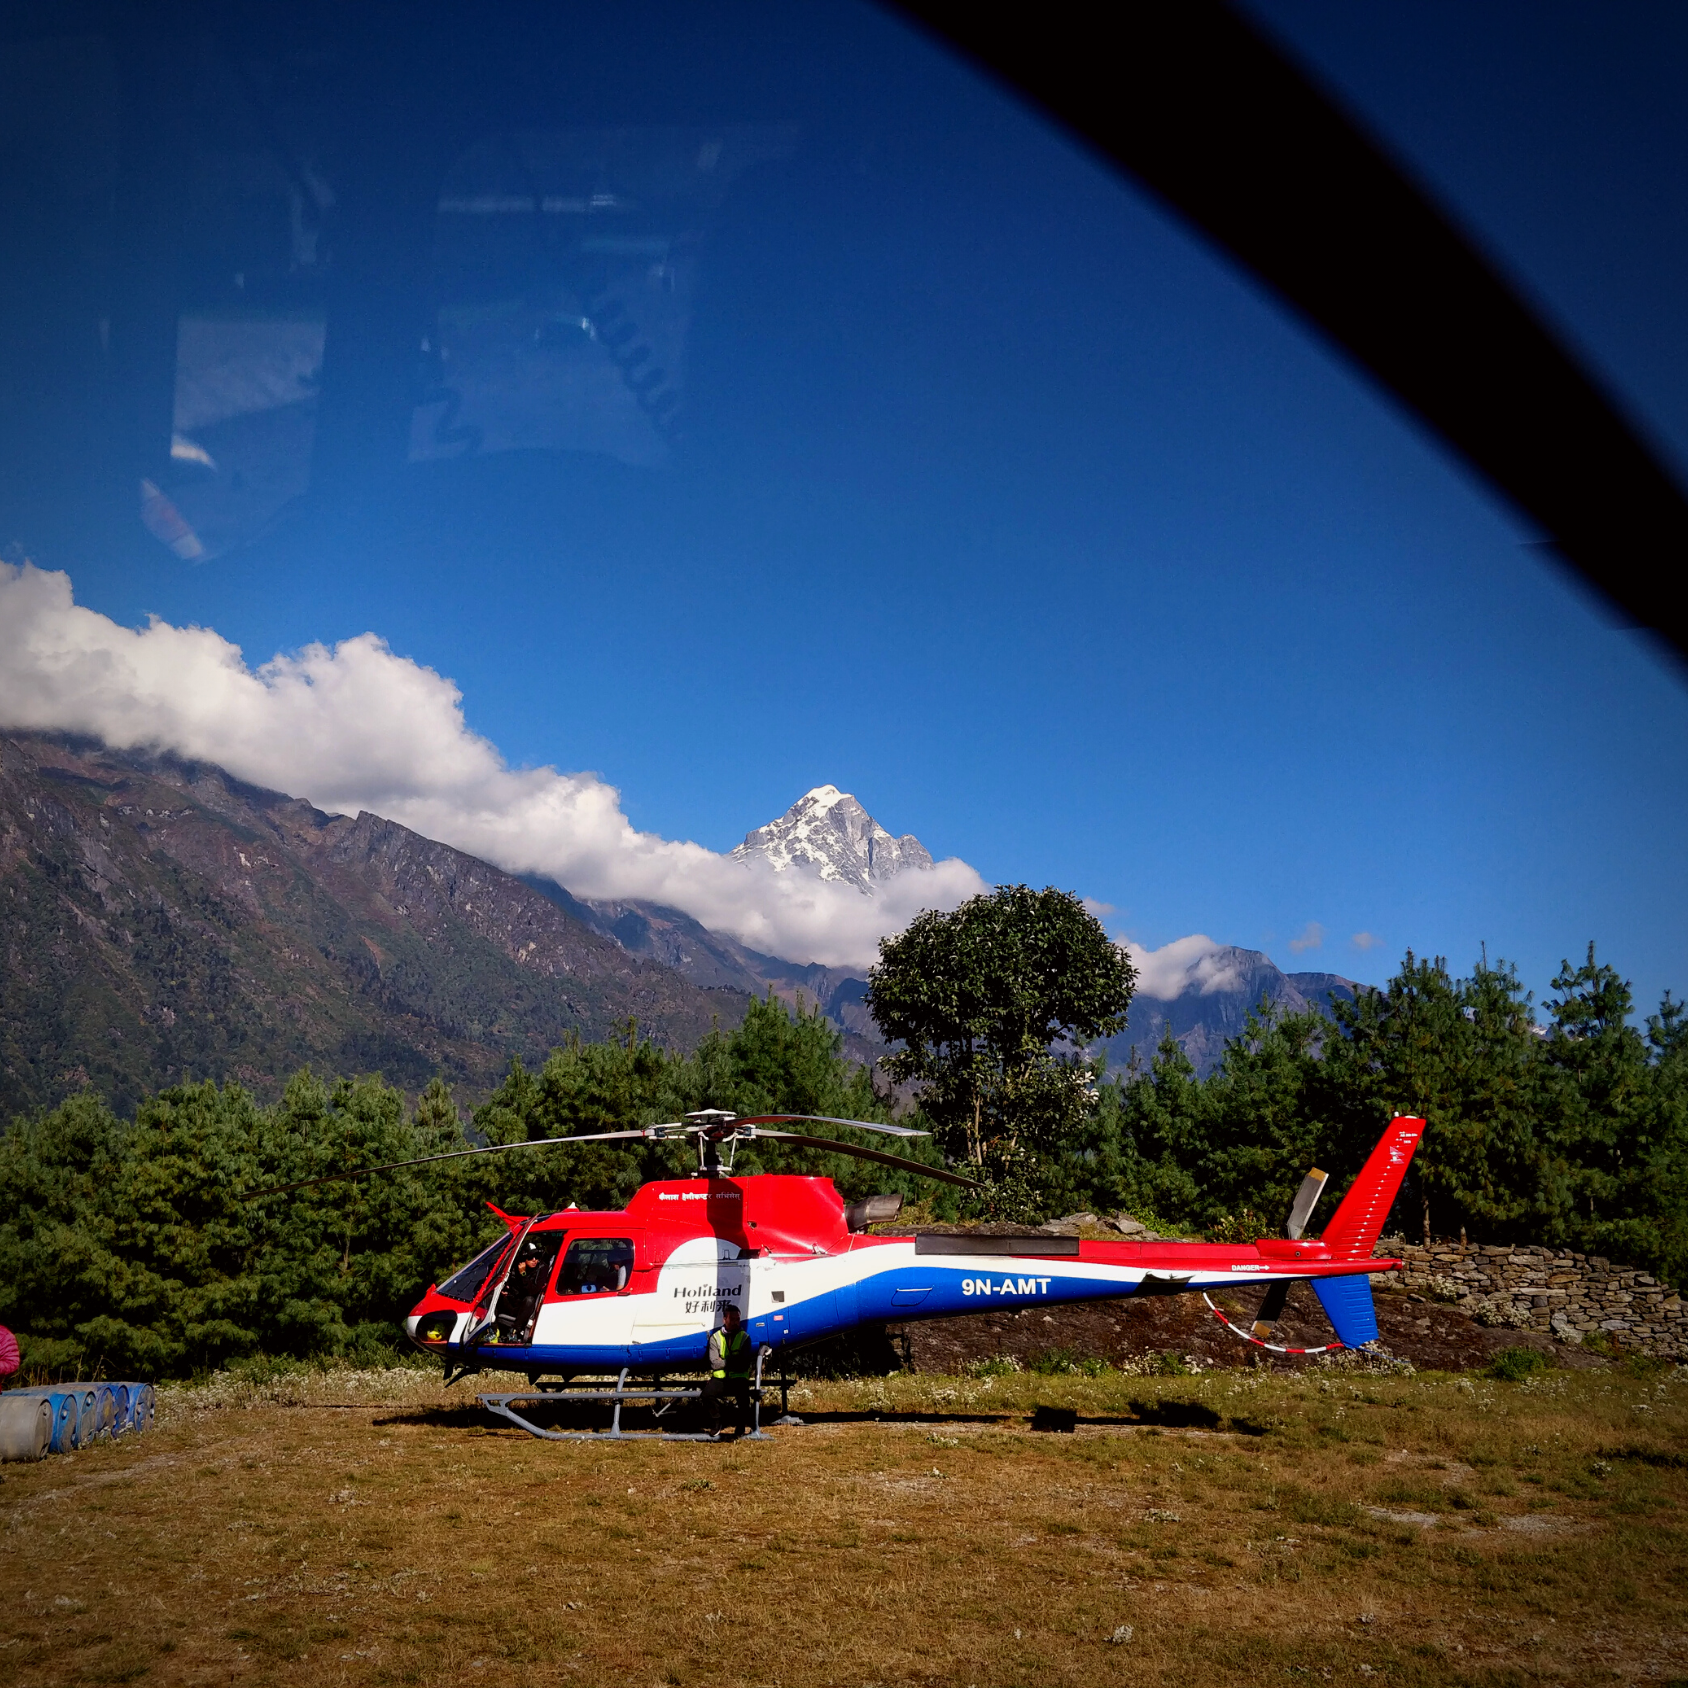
[1571,1296]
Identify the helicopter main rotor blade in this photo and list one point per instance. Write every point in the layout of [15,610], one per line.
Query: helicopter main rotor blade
[454,1154]
[833,1146]
[827,1119]
[666,1132]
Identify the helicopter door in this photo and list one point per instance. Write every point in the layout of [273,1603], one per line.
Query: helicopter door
[524,1287]
[482,1327]
[696,1281]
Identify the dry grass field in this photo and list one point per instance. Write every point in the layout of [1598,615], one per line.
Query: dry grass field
[1339,1526]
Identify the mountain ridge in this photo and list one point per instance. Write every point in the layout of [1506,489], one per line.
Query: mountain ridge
[1202,1016]
[714,960]
[829,831]
[161,921]
[1214,1006]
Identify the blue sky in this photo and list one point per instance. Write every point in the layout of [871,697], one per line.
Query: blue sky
[1009,507]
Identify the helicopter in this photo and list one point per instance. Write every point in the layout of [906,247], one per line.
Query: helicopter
[638,1291]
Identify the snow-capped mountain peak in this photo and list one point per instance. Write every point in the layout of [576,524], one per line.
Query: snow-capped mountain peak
[828,831]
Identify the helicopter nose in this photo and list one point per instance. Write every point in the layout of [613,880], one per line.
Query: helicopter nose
[432,1329]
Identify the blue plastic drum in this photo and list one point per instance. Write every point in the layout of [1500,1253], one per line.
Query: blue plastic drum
[143,1403]
[67,1421]
[82,1411]
[94,1416]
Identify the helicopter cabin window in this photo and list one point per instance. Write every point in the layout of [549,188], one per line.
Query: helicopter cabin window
[596,1266]
[466,1284]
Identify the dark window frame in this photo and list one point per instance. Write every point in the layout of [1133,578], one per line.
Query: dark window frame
[630,1242]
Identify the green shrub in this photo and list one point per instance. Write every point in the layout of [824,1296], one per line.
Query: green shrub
[1513,1365]
[1244,1226]
[1644,1367]
[1067,1362]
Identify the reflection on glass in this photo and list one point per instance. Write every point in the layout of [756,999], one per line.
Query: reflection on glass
[244,420]
[567,264]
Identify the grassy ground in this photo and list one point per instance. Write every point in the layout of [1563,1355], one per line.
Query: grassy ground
[1341,1525]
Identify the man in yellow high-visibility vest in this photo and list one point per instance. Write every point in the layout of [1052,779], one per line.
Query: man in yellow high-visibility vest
[730,1358]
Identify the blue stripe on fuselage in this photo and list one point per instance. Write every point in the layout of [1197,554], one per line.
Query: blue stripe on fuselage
[913,1291]
[920,1291]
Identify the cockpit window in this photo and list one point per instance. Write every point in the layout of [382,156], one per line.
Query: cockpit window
[596,1266]
[468,1283]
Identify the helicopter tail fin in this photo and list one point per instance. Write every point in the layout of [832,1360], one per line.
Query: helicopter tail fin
[1354,1229]
[1349,1307]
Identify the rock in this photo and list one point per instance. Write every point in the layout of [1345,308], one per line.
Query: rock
[1121,1635]
[1068,1227]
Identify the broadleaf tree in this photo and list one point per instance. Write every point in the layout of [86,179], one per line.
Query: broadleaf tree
[993,1005]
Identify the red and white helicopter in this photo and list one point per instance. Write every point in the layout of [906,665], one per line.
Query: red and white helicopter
[637,1292]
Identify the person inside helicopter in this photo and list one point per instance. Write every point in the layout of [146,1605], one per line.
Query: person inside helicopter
[518,1301]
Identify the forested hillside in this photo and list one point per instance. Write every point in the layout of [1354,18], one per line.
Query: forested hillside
[1573,1132]
[126,1242]
[159,922]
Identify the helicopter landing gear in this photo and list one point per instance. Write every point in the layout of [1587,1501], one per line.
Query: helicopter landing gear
[653,1394]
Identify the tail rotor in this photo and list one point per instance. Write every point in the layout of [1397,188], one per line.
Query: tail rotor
[1295,1226]
[1350,1237]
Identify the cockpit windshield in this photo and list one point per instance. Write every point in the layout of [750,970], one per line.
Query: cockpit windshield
[466,1284]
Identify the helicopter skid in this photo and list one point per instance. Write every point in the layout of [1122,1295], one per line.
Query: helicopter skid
[659,1397]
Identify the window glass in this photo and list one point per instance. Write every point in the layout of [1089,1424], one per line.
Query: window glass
[596,1266]
[468,1283]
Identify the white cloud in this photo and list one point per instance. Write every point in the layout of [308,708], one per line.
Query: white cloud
[1312,935]
[1365,940]
[357,727]
[1195,963]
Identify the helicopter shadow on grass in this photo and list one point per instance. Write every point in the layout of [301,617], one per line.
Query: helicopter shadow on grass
[435,1418]
[575,1417]
[1140,1415]
[585,1416]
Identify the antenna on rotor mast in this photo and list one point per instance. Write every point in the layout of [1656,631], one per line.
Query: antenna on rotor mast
[714,1127]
